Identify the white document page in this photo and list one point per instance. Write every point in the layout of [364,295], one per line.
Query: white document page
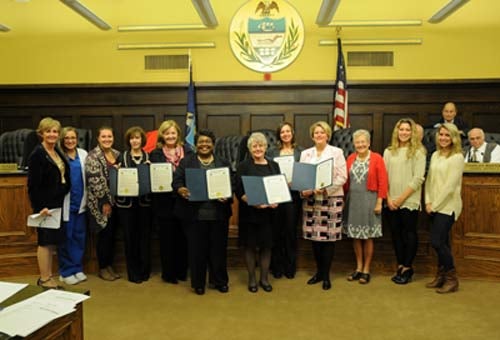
[52,221]
[324,174]
[7,289]
[128,182]
[161,177]
[277,190]
[286,166]
[218,183]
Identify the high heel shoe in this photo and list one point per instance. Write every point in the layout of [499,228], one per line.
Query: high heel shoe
[266,286]
[313,280]
[354,276]
[45,284]
[405,277]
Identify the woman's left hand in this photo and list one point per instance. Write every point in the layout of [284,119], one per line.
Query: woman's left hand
[378,208]
[183,192]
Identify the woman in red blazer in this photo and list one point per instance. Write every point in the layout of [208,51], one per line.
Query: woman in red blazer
[366,187]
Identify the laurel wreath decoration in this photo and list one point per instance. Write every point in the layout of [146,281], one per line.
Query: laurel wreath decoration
[290,44]
[246,50]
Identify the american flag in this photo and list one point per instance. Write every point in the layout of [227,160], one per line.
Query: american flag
[190,130]
[340,117]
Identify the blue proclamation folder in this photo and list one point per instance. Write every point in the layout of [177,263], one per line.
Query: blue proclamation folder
[196,182]
[304,176]
[256,192]
[143,178]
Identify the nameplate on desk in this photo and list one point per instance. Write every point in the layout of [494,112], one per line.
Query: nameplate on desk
[8,167]
[482,168]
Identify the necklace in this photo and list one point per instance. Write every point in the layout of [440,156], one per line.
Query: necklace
[210,160]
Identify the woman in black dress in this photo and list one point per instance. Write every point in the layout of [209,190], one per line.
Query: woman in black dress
[256,222]
[48,183]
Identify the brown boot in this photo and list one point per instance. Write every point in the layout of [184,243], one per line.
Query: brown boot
[112,272]
[438,280]
[105,275]
[450,284]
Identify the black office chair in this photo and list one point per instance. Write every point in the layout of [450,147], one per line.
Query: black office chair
[343,139]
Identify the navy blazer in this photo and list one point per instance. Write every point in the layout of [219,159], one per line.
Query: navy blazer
[188,211]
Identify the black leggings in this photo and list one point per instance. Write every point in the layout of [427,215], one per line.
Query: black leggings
[323,255]
[440,239]
[403,224]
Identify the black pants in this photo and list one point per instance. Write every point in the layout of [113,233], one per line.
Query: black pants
[284,251]
[105,244]
[207,249]
[173,249]
[136,223]
[440,239]
[403,224]
[323,255]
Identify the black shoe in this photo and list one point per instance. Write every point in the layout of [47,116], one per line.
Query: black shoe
[172,281]
[290,275]
[364,278]
[182,278]
[199,290]
[354,276]
[222,288]
[405,277]
[135,280]
[266,286]
[397,275]
[327,284]
[277,275]
[313,280]
[253,289]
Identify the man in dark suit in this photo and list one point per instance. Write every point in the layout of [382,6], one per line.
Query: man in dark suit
[449,115]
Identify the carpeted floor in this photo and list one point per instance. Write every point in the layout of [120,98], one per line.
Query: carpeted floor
[294,310]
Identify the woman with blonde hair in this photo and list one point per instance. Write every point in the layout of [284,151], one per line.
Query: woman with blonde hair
[443,202]
[322,208]
[173,242]
[48,184]
[405,163]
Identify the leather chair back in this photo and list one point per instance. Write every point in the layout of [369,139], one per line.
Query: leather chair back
[13,148]
[343,139]
[229,148]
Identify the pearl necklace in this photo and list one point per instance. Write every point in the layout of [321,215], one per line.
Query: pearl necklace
[210,160]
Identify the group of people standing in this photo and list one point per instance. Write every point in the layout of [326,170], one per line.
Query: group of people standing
[193,235]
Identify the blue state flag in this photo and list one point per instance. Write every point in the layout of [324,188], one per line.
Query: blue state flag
[190,129]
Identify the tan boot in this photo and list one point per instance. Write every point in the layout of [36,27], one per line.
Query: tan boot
[112,272]
[438,280]
[451,283]
[105,275]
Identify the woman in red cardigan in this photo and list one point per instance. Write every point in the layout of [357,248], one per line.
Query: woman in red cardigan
[366,187]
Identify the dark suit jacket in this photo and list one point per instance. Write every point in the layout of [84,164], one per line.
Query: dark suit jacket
[188,211]
[45,187]
[459,123]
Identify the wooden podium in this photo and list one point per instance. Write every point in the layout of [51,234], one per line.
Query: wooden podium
[476,235]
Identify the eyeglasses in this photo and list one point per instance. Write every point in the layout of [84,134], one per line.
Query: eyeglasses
[69,138]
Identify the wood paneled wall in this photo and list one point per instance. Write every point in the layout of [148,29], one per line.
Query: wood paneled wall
[235,109]
[232,109]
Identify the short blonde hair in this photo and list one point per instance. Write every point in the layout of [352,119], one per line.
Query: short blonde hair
[46,124]
[361,132]
[164,127]
[322,124]
[456,141]
[256,137]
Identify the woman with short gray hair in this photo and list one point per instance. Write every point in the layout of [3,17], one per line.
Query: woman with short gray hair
[256,222]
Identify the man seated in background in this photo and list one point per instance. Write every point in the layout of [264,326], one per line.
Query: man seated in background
[480,151]
[449,115]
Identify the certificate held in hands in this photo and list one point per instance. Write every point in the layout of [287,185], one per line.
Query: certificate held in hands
[211,184]
[266,190]
[130,182]
[312,176]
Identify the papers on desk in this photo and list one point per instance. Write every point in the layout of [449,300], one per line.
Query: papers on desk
[7,289]
[27,316]
[266,190]
[52,221]
[312,176]
[204,185]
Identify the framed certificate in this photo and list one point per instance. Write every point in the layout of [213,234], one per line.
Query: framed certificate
[266,190]
[312,176]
